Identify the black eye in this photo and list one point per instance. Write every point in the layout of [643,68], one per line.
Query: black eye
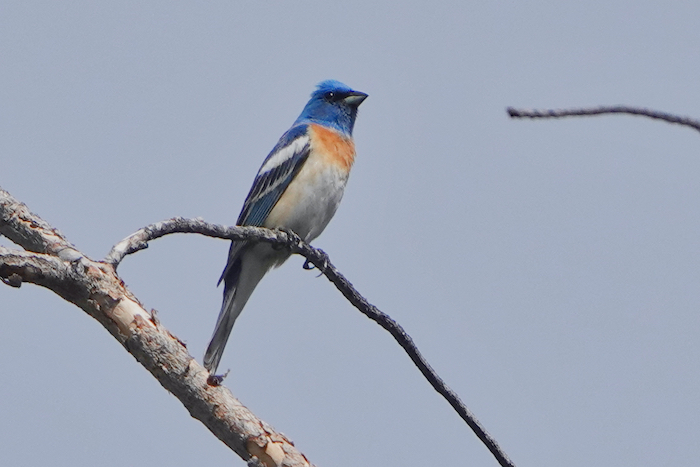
[332,96]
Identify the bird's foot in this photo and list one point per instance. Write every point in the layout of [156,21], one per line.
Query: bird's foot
[324,262]
[217,380]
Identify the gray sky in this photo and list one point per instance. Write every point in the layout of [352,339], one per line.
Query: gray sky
[548,270]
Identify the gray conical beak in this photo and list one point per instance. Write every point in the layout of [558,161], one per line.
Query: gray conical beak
[355,98]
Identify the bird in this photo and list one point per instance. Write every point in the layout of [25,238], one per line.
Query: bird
[298,187]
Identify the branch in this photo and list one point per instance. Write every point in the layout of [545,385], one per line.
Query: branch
[30,231]
[96,288]
[139,240]
[616,109]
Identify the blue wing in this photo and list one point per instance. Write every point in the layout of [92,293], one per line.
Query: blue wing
[277,171]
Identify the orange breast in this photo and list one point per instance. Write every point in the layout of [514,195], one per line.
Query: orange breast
[339,149]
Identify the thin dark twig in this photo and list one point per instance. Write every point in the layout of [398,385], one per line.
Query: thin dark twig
[320,259]
[614,109]
[138,240]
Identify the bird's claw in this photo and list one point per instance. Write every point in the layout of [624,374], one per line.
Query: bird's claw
[308,265]
[217,380]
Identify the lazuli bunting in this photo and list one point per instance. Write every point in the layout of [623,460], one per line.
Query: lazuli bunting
[298,187]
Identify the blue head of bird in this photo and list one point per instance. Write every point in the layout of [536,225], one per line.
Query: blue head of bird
[333,104]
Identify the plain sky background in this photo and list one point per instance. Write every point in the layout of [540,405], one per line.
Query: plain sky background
[548,270]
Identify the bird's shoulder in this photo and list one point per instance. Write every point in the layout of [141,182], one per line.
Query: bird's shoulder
[290,147]
[276,172]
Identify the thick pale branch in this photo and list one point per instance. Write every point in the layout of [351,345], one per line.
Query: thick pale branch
[30,231]
[96,288]
[615,109]
[45,270]
[138,241]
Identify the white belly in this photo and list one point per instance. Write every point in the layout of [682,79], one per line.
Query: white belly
[310,201]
